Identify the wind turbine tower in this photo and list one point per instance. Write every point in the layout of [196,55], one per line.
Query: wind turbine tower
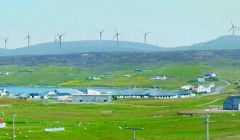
[28,37]
[116,36]
[60,39]
[100,33]
[145,37]
[233,28]
[5,41]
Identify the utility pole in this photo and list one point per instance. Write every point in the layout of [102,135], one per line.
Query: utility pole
[207,124]
[13,126]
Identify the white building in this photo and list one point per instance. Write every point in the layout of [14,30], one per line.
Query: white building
[206,88]
[186,87]
[159,77]
[4,92]
[201,79]
[210,74]
[127,76]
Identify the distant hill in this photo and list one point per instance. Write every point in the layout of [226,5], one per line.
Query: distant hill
[222,43]
[96,46]
[83,47]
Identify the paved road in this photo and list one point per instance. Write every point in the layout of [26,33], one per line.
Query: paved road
[219,89]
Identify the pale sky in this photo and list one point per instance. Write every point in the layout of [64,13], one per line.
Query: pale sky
[171,22]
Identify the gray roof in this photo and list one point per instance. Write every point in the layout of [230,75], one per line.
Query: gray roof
[232,100]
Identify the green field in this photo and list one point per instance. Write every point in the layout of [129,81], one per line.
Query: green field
[106,121]
[159,118]
[56,75]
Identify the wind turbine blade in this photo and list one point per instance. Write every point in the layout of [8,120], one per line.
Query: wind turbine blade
[103,30]
[230,29]
[115,29]
[114,36]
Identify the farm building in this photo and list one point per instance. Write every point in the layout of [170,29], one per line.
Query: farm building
[131,95]
[63,94]
[2,124]
[232,103]
[79,96]
[185,94]
[153,93]
[91,98]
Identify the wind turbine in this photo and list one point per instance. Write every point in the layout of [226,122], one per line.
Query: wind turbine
[60,39]
[28,37]
[233,28]
[145,36]
[100,33]
[116,35]
[5,41]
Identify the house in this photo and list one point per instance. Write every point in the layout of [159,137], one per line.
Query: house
[210,74]
[4,92]
[200,79]
[35,96]
[4,73]
[204,88]
[232,103]
[186,87]
[2,124]
[94,78]
[159,77]
[127,76]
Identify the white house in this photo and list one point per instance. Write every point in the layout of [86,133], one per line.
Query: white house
[159,77]
[201,79]
[210,74]
[4,92]
[94,78]
[204,88]
[186,87]
[127,76]
[2,124]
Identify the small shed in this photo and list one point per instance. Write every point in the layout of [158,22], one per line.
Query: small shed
[232,103]
[2,124]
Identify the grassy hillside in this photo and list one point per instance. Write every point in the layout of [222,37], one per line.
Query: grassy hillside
[56,75]
[106,121]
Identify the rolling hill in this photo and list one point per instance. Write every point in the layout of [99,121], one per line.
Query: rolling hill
[82,47]
[222,43]
[94,46]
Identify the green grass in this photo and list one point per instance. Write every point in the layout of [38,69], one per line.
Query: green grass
[178,75]
[103,121]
